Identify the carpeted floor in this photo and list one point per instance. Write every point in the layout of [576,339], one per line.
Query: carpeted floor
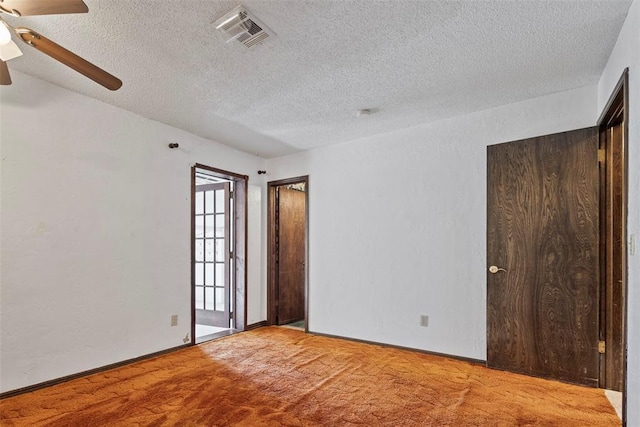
[282,377]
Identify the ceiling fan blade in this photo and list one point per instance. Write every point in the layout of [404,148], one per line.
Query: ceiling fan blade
[68,58]
[9,51]
[42,7]
[5,77]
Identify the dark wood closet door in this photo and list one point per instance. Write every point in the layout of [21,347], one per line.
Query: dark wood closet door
[291,255]
[542,255]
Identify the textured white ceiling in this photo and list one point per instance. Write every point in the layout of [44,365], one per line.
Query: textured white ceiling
[412,61]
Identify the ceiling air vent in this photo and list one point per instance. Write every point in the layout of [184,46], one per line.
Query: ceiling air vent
[241,27]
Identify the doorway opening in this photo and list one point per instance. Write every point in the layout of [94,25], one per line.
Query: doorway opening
[218,246]
[613,161]
[288,243]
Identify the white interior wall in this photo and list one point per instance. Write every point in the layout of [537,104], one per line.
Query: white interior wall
[95,231]
[397,224]
[256,280]
[627,54]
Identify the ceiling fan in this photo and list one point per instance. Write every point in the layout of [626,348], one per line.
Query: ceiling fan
[9,50]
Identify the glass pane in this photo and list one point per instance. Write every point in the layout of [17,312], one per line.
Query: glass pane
[208,202]
[208,299]
[219,225]
[219,299]
[231,283]
[208,248]
[199,202]
[199,273]
[199,250]
[220,250]
[199,298]
[219,273]
[220,201]
[209,226]
[233,219]
[199,226]
[231,294]
[208,274]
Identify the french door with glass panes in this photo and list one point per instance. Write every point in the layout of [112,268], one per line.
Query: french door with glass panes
[212,250]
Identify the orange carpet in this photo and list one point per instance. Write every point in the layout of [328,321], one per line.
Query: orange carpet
[283,377]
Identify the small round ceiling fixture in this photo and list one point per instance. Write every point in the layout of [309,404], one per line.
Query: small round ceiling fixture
[364,112]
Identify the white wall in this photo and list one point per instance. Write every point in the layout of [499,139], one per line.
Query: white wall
[397,224]
[256,270]
[627,54]
[95,231]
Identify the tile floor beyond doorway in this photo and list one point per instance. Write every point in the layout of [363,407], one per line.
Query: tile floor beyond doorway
[202,330]
[296,325]
[615,397]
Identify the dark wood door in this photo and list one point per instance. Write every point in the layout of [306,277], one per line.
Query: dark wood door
[212,260]
[291,213]
[542,241]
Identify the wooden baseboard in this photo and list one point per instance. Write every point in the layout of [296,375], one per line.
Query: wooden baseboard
[49,383]
[432,353]
[64,379]
[256,325]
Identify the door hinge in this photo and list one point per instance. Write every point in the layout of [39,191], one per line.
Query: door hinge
[601,347]
[231,194]
[231,254]
[601,155]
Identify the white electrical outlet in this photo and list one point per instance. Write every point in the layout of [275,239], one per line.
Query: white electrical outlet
[174,320]
[424,320]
